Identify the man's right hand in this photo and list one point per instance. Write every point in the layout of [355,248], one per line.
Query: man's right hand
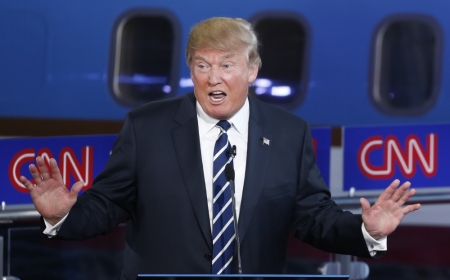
[50,196]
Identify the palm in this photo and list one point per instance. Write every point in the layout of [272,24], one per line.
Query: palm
[50,196]
[382,218]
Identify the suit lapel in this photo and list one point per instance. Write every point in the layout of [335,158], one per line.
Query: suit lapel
[257,160]
[187,147]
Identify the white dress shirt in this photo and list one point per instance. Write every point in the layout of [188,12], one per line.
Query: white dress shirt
[237,135]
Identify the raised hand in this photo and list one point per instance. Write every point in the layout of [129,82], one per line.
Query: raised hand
[382,218]
[50,196]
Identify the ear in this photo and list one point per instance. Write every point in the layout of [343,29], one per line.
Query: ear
[190,69]
[253,73]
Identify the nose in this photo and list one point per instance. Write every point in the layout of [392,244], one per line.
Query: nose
[214,76]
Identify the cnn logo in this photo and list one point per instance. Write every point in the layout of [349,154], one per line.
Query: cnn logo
[406,159]
[69,165]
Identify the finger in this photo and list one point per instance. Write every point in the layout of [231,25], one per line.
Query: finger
[43,168]
[76,188]
[365,204]
[406,196]
[400,192]
[411,208]
[26,183]
[35,173]
[389,190]
[56,174]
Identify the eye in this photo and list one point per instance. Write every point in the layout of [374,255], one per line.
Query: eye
[227,66]
[202,67]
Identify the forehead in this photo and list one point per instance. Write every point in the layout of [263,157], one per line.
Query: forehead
[208,54]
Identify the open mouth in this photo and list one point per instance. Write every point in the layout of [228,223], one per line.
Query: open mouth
[217,96]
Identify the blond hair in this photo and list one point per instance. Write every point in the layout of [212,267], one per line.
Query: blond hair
[227,34]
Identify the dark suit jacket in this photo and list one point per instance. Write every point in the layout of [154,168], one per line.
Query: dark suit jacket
[154,180]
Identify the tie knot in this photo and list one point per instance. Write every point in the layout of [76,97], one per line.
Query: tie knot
[225,125]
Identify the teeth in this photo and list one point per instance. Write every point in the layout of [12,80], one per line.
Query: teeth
[217,95]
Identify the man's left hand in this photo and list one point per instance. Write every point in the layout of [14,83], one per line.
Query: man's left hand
[382,218]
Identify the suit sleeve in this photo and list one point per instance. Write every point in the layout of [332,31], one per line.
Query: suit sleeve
[111,200]
[318,221]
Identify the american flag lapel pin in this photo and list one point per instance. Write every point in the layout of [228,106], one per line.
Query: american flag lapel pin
[266,141]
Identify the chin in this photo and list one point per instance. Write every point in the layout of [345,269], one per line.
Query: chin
[218,114]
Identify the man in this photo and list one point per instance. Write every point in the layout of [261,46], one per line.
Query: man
[161,173]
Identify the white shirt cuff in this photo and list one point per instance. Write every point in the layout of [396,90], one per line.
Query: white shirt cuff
[374,245]
[52,230]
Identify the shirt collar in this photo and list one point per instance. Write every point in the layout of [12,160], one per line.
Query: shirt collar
[239,121]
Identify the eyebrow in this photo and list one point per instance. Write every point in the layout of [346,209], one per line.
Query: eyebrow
[229,55]
[226,56]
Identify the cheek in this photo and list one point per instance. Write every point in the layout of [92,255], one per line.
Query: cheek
[199,85]
[197,77]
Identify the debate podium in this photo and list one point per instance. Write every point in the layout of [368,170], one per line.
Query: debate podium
[241,277]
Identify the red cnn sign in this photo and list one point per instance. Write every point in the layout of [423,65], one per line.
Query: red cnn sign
[69,165]
[406,159]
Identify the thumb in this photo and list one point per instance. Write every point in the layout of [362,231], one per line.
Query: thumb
[76,188]
[365,204]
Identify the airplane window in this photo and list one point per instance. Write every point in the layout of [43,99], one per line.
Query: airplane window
[284,41]
[406,65]
[144,63]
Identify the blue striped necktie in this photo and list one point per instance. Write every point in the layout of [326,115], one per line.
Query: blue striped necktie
[223,222]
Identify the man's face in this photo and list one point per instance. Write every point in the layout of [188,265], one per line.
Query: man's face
[221,81]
